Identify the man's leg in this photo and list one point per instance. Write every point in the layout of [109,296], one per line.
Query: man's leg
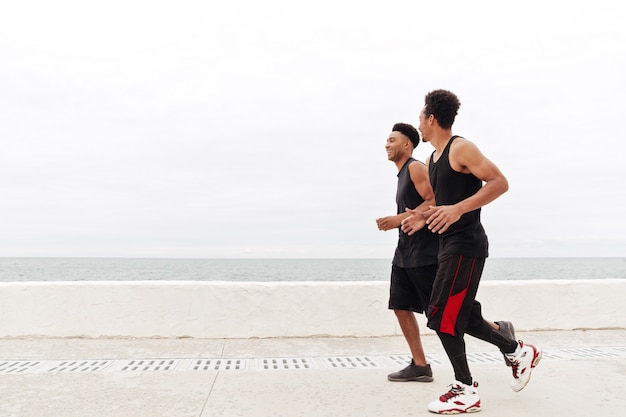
[485,330]
[418,370]
[404,299]
[410,330]
[455,349]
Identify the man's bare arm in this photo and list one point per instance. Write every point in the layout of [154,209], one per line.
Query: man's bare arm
[466,157]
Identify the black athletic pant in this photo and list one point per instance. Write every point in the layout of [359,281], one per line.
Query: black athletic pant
[479,328]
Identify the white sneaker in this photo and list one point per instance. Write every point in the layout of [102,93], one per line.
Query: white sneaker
[523,364]
[460,399]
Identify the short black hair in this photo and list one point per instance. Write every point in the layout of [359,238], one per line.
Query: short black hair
[408,131]
[444,105]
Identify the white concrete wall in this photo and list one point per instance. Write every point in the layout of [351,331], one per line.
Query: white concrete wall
[244,310]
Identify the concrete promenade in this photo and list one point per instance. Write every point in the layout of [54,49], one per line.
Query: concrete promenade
[312,349]
[582,374]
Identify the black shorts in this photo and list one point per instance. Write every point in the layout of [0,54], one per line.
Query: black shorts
[411,287]
[454,293]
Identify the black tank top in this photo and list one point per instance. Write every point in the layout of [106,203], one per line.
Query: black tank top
[466,236]
[421,248]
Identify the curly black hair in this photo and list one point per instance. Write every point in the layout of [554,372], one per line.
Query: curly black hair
[408,131]
[444,105]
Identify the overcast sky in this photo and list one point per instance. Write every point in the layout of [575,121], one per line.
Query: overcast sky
[257,129]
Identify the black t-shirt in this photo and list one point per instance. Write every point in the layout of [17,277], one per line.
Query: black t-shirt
[466,236]
[421,248]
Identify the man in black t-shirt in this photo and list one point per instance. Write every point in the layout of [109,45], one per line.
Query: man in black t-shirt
[457,170]
[415,260]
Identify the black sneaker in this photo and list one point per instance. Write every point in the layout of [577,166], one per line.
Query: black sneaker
[506,327]
[412,373]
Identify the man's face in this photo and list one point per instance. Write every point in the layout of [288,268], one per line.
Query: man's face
[424,126]
[397,146]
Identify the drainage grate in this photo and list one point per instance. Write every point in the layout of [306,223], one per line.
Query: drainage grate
[261,364]
[148,365]
[78,366]
[591,353]
[484,357]
[218,364]
[553,354]
[18,367]
[285,363]
[403,360]
[399,360]
[351,362]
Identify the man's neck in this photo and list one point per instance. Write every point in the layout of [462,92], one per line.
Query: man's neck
[440,139]
[400,163]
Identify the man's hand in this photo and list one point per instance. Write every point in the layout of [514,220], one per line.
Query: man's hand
[388,223]
[439,218]
[414,222]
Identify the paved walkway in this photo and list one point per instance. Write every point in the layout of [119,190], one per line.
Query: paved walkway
[582,374]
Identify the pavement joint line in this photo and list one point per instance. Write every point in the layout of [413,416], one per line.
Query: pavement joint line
[299,363]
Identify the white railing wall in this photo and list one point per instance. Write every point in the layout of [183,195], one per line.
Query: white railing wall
[280,309]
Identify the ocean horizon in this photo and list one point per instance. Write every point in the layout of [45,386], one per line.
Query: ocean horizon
[32,269]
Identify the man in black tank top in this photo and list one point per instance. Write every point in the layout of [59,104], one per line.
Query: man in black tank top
[457,170]
[414,263]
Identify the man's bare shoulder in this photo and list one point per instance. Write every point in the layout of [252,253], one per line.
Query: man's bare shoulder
[415,164]
[460,141]
[417,170]
[462,146]
[463,154]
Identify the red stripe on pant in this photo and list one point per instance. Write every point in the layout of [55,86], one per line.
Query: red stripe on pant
[455,302]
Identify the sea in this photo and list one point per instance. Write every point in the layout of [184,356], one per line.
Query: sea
[284,270]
